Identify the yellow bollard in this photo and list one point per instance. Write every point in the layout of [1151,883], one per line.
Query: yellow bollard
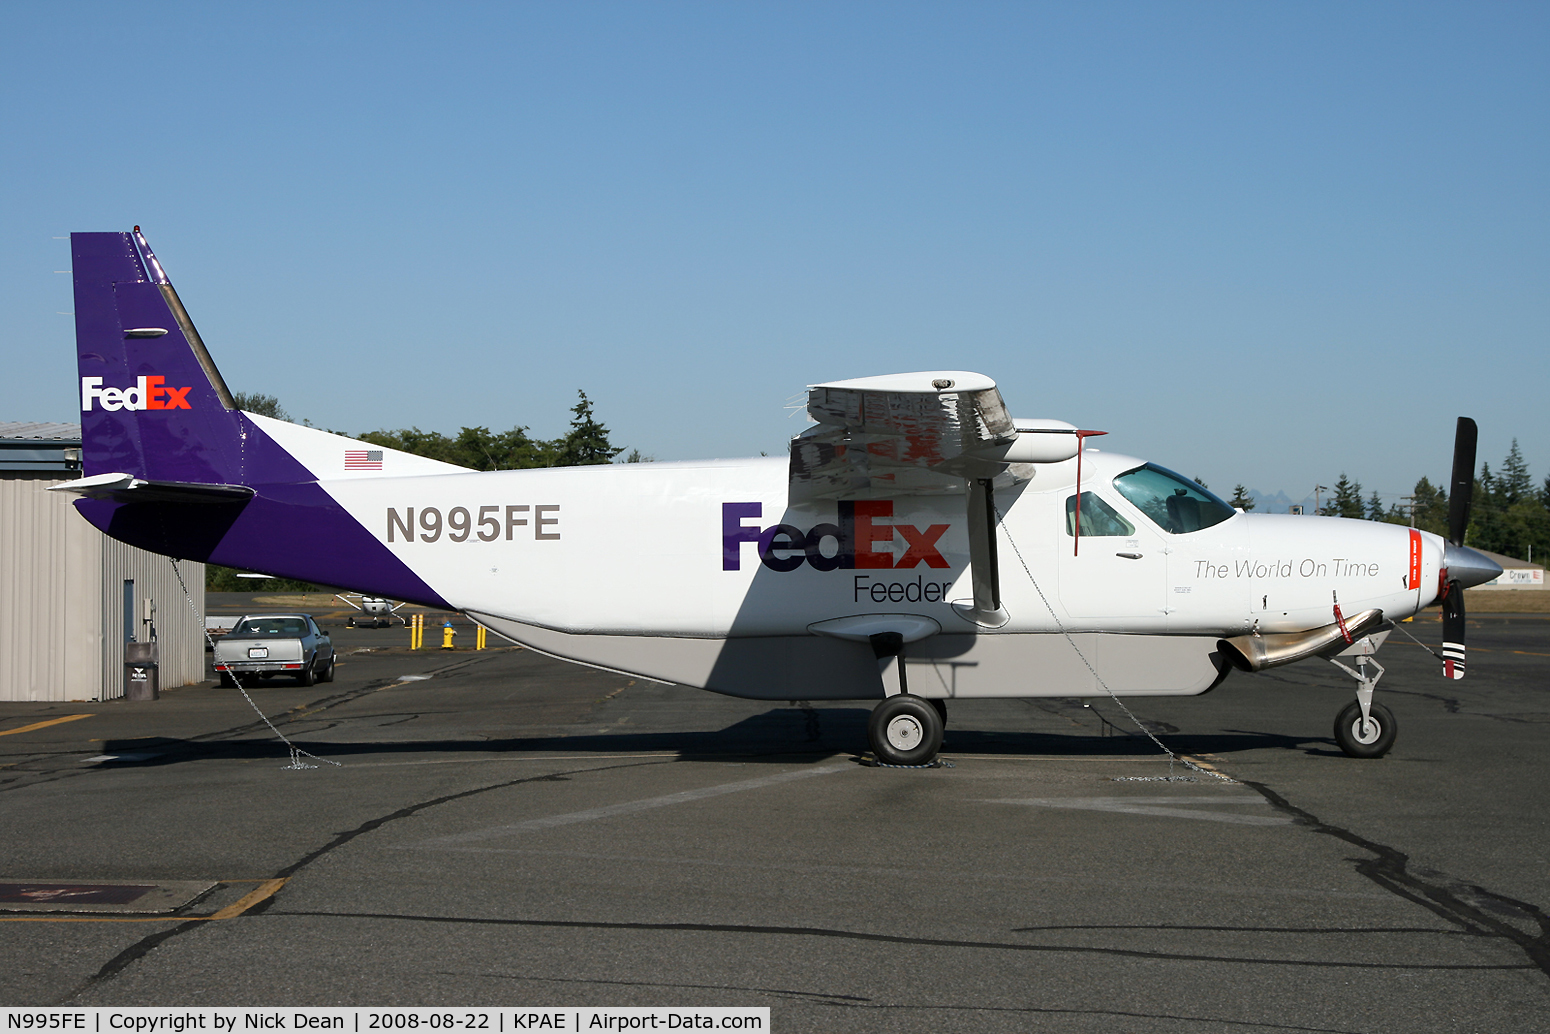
[479,639]
[447,632]
[417,632]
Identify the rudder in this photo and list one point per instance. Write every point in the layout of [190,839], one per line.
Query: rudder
[152,402]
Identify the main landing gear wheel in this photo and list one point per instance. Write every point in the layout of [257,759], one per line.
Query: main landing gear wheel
[1374,740]
[905,730]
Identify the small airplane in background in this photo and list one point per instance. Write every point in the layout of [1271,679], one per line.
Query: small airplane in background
[918,545]
[380,611]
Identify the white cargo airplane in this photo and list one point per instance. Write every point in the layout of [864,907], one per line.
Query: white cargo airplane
[918,545]
[380,611]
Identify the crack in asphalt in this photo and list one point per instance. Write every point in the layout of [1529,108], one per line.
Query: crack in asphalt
[783,992]
[147,944]
[301,713]
[1174,927]
[1466,905]
[886,938]
[1470,910]
[860,1002]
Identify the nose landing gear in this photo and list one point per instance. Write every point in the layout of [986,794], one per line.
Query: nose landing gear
[1364,729]
[1365,736]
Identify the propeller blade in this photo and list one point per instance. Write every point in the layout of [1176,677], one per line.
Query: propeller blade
[1460,494]
[1453,632]
[1463,487]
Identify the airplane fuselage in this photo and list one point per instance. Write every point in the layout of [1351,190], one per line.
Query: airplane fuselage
[654,568]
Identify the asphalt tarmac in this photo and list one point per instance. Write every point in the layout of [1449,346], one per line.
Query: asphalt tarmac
[515,830]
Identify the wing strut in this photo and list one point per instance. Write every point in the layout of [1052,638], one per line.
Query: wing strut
[1076,527]
[984,567]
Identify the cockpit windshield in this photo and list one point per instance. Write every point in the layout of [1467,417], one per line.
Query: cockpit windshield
[1178,506]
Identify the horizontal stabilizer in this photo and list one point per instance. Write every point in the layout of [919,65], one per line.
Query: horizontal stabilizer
[126,488]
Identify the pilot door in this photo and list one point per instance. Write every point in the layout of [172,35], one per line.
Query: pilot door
[1114,571]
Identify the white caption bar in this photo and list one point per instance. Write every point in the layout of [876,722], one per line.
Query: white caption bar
[366,1020]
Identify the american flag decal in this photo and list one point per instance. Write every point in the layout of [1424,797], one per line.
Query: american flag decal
[363,459]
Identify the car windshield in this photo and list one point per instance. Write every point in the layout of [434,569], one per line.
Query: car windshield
[271,626]
[1176,505]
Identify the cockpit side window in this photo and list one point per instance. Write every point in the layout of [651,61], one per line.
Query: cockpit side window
[1098,518]
[1176,505]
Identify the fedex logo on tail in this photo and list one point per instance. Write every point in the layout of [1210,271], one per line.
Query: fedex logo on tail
[785,547]
[147,393]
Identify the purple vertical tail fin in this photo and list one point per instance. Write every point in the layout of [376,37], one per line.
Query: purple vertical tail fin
[152,402]
[205,480]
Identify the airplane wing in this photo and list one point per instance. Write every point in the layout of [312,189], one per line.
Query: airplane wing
[915,434]
[932,433]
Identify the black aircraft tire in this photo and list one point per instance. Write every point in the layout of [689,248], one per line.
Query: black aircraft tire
[905,730]
[941,708]
[1374,743]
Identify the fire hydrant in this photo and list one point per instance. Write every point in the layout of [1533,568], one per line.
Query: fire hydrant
[447,632]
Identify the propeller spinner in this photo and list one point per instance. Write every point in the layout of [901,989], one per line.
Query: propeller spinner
[1461,566]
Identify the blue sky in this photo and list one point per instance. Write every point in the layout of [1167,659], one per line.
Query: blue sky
[1260,243]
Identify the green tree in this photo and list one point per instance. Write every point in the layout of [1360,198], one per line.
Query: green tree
[224,579]
[1515,484]
[1397,514]
[1430,507]
[479,448]
[1375,511]
[1508,515]
[263,405]
[587,443]
[1485,512]
[1241,498]
[1347,500]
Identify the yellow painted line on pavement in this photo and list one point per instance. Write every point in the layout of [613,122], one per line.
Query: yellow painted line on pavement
[265,890]
[1199,761]
[44,725]
[262,892]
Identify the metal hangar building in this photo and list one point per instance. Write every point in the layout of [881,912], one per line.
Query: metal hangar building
[70,597]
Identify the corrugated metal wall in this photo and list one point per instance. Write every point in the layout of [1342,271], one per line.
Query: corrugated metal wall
[50,581]
[179,628]
[62,600]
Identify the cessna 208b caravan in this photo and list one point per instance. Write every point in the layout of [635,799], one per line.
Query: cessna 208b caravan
[918,545]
